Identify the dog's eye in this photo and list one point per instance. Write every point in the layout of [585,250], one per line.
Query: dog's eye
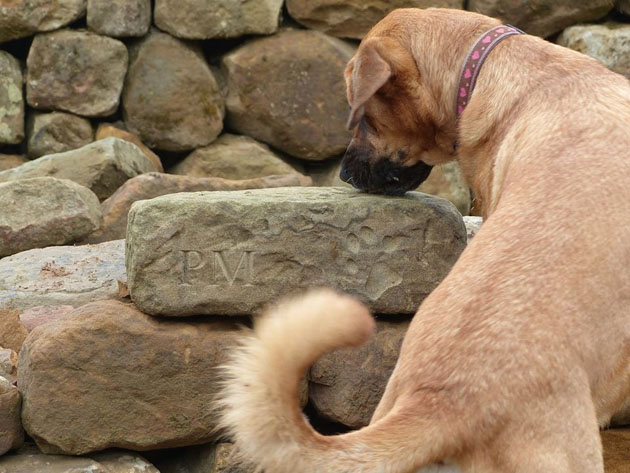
[369,125]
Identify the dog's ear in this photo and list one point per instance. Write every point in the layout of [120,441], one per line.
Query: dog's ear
[365,74]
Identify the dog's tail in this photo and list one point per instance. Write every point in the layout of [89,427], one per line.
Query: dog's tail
[259,399]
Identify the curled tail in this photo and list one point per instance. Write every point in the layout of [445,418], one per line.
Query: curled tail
[259,400]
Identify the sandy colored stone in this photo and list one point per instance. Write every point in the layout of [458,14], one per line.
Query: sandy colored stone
[171,98]
[151,185]
[45,211]
[608,43]
[20,18]
[10,161]
[107,130]
[43,314]
[102,166]
[616,444]
[231,252]
[12,330]
[268,80]
[11,98]
[542,17]
[11,432]
[76,71]
[353,18]
[119,18]
[8,364]
[126,380]
[205,19]
[62,275]
[56,132]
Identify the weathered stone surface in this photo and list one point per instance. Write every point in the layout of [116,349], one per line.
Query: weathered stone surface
[204,19]
[11,99]
[609,43]
[231,252]
[171,98]
[11,432]
[353,18]
[346,385]
[107,130]
[62,275]
[43,314]
[20,18]
[45,211]
[12,330]
[9,161]
[542,17]
[76,71]
[473,225]
[151,185]
[143,383]
[8,364]
[102,166]
[267,79]
[56,132]
[616,444]
[119,18]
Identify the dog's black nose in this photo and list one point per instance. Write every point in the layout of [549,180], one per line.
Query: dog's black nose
[344,174]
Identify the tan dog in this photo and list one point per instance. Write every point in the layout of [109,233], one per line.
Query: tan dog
[522,352]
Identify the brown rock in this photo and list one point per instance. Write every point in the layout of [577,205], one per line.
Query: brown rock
[56,132]
[119,18]
[148,186]
[8,364]
[623,6]
[11,432]
[171,99]
[616,444]
[11,99]
[124,378]
[10,161]
[44,314]
[267,79]
[76,71]
[12,331]
[107,130]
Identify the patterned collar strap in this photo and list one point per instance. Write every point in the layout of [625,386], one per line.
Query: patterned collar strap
[475,59]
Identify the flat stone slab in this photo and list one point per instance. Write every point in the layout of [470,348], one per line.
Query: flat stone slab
[232,252]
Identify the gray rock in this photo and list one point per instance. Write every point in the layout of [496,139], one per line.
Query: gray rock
[204,19]
[171,98]
[45,211]
[62,275]
[11,99]
[608,43]
[119,18]
[126,380]
[42,314]
[21,18]
[77,72]
[8,364]
[9,161]
[473,225]
[232,252]
[102,166]
[56,132]
[11,432]
[267,81]
[353,18]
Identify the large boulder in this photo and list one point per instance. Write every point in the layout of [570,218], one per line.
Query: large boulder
[288,91]
[21,18]
[102,166]
[56,132]
[62,276]
[353,18]
[11,99]
[109,130]
[77,72]
[123,378]
[204,19]
[11,432]
[543,17]
[608,43]
[45,211]
[119,18]
[232,252]
[171,98]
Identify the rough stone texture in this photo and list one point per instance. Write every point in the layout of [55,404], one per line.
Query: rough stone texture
[11,432]
[542,17]
[56,132]
[609,43]
[107,130]
[76,71]
[473,225]
[45,211]
[148,186]
[43,314]
[21,18]
[267,79]
[346,385]
[102,166]
[233,157]
[616,444]
[12,330]
[205,19]
[171,98]
[62,275]
[11,99]
[8,364]
[10,161]
[353,18]
[232,252]
[143,383]
[119,18]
